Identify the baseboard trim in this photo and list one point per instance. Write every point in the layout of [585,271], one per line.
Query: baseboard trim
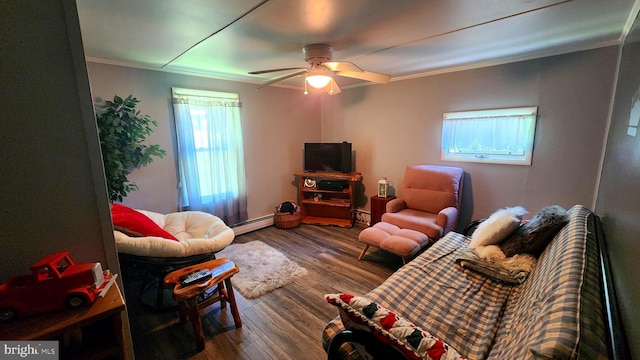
[253,224]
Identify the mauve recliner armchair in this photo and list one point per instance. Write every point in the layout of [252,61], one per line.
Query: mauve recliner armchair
[429,202]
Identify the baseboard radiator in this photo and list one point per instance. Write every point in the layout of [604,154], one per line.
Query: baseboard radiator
[253,224]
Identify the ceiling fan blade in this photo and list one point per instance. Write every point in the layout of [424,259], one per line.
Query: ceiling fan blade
[274,70]
[366,75]
[332,87]
[273,81]
[342,66]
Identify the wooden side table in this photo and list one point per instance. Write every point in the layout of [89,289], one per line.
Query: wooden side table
[97,327]
[378,207]
[192,298]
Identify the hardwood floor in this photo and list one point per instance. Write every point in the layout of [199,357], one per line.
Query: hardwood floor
[284,324]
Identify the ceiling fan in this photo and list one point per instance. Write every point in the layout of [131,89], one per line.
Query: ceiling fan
[320,74]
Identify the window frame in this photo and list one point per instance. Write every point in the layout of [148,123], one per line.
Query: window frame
[451,120]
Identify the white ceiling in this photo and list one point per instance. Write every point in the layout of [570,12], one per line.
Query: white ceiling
[403,38]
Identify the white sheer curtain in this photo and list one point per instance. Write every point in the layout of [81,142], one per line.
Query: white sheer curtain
[500,136]
[211,156]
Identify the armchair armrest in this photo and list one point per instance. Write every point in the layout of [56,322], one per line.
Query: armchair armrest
[396,205]
[447,218]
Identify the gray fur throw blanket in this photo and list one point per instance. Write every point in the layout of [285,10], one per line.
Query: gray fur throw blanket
[533,236]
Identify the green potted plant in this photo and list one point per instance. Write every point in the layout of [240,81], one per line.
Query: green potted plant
[123,130]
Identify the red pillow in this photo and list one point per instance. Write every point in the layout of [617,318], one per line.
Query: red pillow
[136,221]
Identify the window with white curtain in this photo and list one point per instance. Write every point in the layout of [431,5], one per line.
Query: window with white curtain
[499,136]
[210,153]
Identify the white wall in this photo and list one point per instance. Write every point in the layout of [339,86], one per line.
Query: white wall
[276,122]
[397,124]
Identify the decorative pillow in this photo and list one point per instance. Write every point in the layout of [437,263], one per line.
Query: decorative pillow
[497,227]
[137,222]
[359,313]
[534,236]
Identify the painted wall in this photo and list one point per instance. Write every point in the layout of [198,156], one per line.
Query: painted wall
[398,124]
[276,122]
[53,190]
[619,192]
[395,125]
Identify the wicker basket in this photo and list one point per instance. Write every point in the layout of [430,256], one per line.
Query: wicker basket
[287,220]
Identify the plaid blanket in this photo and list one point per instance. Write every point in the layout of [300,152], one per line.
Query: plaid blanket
[435,293]
[556,313]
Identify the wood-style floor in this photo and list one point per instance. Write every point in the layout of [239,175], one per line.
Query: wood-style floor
[284,324]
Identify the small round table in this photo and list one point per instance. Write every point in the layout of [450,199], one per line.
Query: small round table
[194,297]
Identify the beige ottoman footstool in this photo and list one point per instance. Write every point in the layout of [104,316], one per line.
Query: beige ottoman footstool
[405,243]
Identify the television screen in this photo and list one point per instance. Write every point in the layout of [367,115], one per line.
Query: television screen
[331,157]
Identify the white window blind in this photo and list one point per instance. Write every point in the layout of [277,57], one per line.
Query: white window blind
[499,136]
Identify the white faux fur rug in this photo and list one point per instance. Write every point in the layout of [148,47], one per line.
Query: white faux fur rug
[262,268]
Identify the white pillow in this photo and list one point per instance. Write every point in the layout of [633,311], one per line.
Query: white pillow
[497,227]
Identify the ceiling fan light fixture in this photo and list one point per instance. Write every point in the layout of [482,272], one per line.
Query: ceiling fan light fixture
[321,73]
[317,77]
[318,81]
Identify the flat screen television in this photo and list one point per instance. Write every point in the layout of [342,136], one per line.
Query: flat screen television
[330,157]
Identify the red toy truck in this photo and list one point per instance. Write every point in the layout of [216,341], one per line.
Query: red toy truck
[55,282]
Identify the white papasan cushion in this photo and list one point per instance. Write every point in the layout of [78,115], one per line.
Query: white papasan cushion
[198,233]
[497,227]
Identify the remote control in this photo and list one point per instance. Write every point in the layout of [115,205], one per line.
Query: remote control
[195,277]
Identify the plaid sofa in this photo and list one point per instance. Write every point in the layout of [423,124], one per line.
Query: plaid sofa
[557,313]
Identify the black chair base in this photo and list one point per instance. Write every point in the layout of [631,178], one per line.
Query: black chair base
[376,349]
[471,227]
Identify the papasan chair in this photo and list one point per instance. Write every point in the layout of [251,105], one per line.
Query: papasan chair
[157,244]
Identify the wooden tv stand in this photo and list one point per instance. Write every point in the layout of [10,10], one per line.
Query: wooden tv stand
[327,206]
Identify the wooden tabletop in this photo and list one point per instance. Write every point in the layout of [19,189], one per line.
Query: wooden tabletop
[221,269]
[218,267]
[54,324]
